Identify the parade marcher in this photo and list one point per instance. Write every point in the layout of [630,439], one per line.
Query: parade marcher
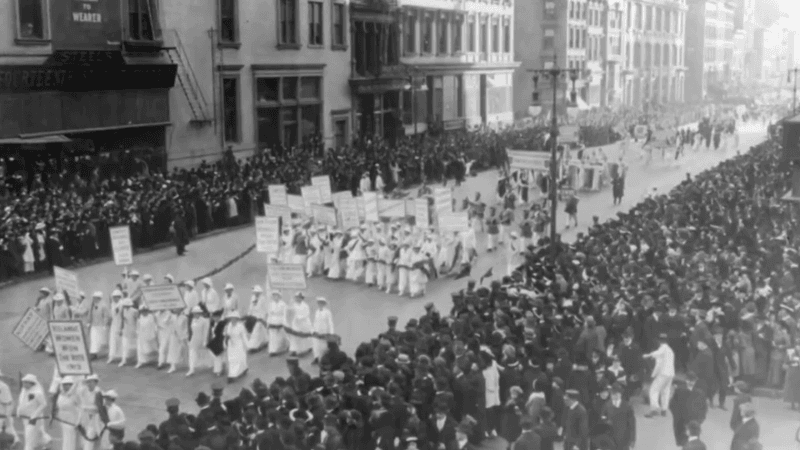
[323,328]
[90,414]
[381,254]
[403,268]
[492,230]
[230,299]
[687,404]
[392,258]
[236,346]
[209,297]
[419,271]
[663,373]
[259,313]
[276,323]
[7,410]
[190,295]
[199,329]
[513,252]
[99,321]
[370,268]
[130,317]
[337,248]
[32,409]
[68,412]
[179,336]
[116,419]
[300,326]
[216,343]
[115,328]
[164,320]
[146,337]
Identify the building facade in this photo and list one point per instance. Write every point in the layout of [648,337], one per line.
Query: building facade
[710,37]
[76,77]
[438,64]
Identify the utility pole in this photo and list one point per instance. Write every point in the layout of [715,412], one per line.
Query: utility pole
[789,77]
[554,73]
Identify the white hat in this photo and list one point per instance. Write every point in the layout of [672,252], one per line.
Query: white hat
[45,289]
[97,294]
[207,281]
[68,380]
[234,315]
[169,277]
[197,309]
[59,297]
[93,377]
[134,273]
[30,378]
[82,294]
[257,289]
[228,286]
[322,300]
[116,293]
[112,394]
[40,226]
[147,276]
[189,283]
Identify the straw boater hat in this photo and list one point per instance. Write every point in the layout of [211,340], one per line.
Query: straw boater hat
[257,289]
[322,300]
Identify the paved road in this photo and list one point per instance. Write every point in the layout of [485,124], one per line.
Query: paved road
[359,312]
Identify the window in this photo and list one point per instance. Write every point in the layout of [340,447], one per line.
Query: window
[31,19]
[471,35]
[289,110]
[658,19]
[338,27]
[668,22]
[638,16]
[485,37]
[571,10]
[411,33]
[495,37]
[287,32]
[549,39]
[340,132]
[315,23]
[507,37]
[649,18]
[458,24]
[550,10]
[143,20]
[228,30]
[571,38]
[427,35]
[442,38]
[230,106]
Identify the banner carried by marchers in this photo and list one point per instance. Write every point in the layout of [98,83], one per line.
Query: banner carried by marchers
[421,216]
[296,204]
[67,281]
[31,329]
[348,213]
[324,215]
[323,183]
[443,200]
[121,245]
[70,347]
[283,212]
[286,276]
[457,221]
[268,235]
[163,297]
[370,207]
[277,194]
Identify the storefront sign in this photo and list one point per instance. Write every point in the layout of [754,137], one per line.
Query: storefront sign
[86,24]
[286,276]
[86,78]
[71,349]
[268,235]
[163,297]
[31,329]
[67,281]
[121,245]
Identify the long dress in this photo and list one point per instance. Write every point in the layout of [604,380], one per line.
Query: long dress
[236,350]
[418,279]
[747,356]
[178,339]
[198,354]
[791,387]
[323,325]
[276,320]
[335,267]
[315,257]
[259,309]
[300,324]
[780,340]
[355,260]
[115,333]
[147,339]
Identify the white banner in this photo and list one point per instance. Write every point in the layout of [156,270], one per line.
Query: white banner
[162,297]
[411,207]
[371,207]
[277,194]
[268,235]
[323,183]
[421,216]
[528,160]
[67,280]
[362,209]
[121,245]
[31,329]
[286,276]
[283,212]
[443,200]
[568,134]
[70,346]
[391,208]
[456,221]
[348,213]
[337,197]
[296,204]
[324,215]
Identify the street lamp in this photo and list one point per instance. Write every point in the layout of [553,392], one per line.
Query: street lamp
[794,91]
[554,74]
[411,73]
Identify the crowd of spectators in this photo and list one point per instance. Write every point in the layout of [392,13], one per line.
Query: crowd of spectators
[709,269]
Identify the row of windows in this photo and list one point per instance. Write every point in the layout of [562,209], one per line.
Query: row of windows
[654,18]
[577,38]
[443,33]
[654,55]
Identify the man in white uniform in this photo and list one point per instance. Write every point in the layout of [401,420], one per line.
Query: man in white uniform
[663,374]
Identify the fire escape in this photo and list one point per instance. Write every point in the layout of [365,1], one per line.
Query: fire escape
[187,80]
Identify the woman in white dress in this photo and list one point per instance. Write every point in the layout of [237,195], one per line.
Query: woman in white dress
[276,321]
[164,324]
[115,330]
[314,260]
[323,326]
[259,309]
[299,339]
[190,296]
[335,268]
[447,249]
[327,252]
[355,258]
[210,297]
[236,350]
[230,299]
[513,254]
[27,255]
[178,339]
[146,337]
[198,353]
[68,412]
[287,251]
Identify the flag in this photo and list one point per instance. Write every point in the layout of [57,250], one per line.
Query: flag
[489,273]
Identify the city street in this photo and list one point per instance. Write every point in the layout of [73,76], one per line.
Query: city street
[360,312]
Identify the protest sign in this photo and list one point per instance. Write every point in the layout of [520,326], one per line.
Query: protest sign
[67,281]
[348,213]
[324,215]
[443,200]
[283,212]
[454,221]
[268,234]
[70,347]
[286,276]
[568,134]
[410,208]
[296,204]
[163,297]
[361,208]
[311,196]
[121,245]
[338,196]
[323,183]
[277,194]
[31,329]
[371,207]
[421,217]
[392,208]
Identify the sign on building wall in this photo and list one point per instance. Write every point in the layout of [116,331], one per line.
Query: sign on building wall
[86,24]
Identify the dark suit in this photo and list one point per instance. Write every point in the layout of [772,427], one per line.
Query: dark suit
[686,406]
[744,434]
[696,444]
[528,440]
[445,436]
[576,428]
[736,415]
[623,423]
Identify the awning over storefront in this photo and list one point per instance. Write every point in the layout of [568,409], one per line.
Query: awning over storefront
[53,139]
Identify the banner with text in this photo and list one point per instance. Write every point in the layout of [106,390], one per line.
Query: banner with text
[121,245]
[286,276]
[323,183]
[456,221]
[67,280]
[443,200]
[296,204]
[392,208]
[421,216]
[528,160]
[324,215]
[268,235]
[371,207]
[163,297]
[348,213]
[277,194]
[283,212]
[310,197]
[31,329]
[70,347]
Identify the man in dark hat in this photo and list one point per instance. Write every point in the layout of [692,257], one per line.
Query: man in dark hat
[688,404]
[630,357]
[205,416]
[174,427]
[528,440]
[392,332]
[619,414]
[464,434]
[576,422]
[217,405]
[740,388]
[723,358]
[693,442]
[298,378]
[442,428]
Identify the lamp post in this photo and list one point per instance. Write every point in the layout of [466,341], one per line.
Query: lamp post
[794,91]
[554,74]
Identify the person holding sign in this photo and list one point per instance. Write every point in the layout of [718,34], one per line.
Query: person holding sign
[198,336]
[335,269]
[258,313]
[67,412]
[31,408]
[404,268]
[236,346]
[276,320]
[300,329]
[418,275]
[146,337]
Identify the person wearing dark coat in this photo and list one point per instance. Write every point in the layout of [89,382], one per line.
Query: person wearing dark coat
[528,440]
[631,359]
[741,397]
[703,366]
[748,431]
[576,423]
[547,429]
[619,414]
[723,358]
[688,404]
[693,441]
[180,235]
[442,429]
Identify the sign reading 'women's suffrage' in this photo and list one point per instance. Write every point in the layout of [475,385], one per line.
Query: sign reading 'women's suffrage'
[69,344]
